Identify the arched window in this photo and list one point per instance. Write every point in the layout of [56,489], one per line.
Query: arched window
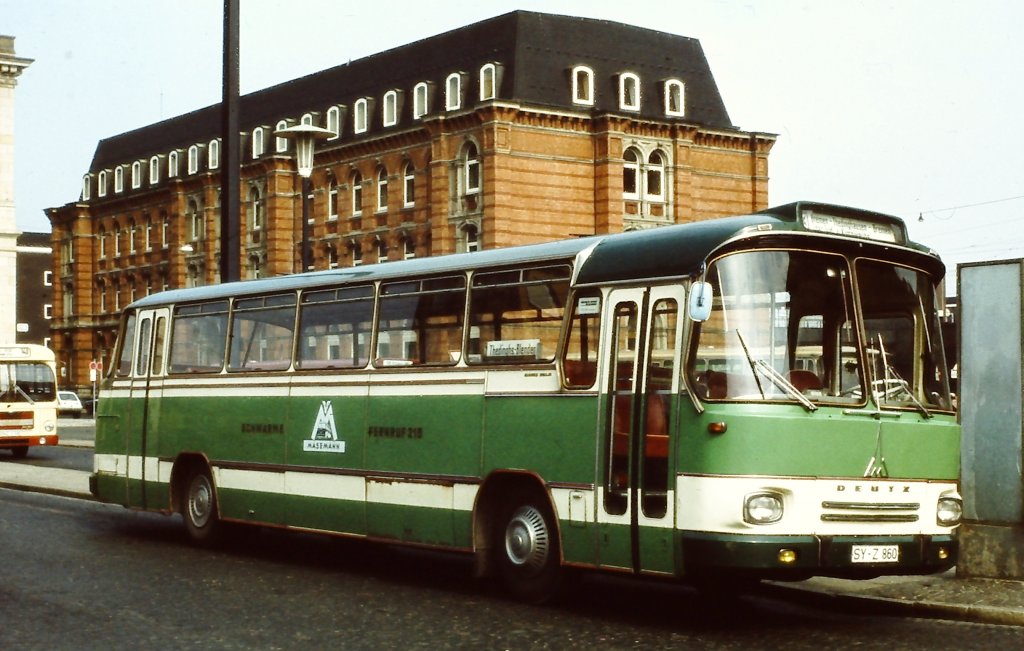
[119,179]
[257,142]
[172,164]
[654,186]
[256,217]
[470,238]
[86,187]
[631,174]
[419,100]
[195,220]
[116,234]
[332,198]
[409,248]
[453,92]
[390,108]
[408,185]
[382,190]
[629,92]
[583,85]
[357,194]
[132,231]
[334,122]
[281,144]
[193,159]
[471,168]
[101,185]
[382,250]
[307,119]
[136,175]
[356,251]
[102,238]
[359,116]
[213,155]
[154,170]
[488,81]
[675,94]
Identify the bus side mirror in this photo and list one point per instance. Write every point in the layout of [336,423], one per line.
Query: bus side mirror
[700,301]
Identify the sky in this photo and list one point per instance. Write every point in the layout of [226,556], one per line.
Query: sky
[907,107]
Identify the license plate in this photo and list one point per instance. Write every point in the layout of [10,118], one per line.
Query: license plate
[875,554]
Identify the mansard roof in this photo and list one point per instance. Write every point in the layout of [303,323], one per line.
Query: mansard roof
[536,53]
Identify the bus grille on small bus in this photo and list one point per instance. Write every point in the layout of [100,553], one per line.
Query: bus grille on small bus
[16,420]
[870,512]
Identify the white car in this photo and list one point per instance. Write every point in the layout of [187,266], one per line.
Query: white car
[68,404]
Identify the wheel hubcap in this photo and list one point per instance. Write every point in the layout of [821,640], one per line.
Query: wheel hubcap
[200,500]
[526,539]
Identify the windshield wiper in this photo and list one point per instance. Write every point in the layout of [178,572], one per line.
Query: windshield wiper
[22,392]
[890,371]
[776,378]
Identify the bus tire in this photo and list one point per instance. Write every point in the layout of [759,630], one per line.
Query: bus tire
[199,507]
[20,452]
[528,551]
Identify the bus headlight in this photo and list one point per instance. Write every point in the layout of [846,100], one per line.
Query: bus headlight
[949,511]
[49,426]
[762,508]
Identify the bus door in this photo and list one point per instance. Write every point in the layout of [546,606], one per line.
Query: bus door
[146,387]
[636,514]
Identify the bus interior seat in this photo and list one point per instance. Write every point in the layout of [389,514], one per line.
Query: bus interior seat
[804,380]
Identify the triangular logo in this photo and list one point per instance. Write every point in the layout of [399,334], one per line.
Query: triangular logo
[324,436]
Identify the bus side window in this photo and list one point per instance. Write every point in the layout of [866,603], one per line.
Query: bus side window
[579,359]
[420,322]
[199,338]
[127,343]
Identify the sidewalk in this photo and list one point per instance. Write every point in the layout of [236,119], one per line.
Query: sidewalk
[938,596]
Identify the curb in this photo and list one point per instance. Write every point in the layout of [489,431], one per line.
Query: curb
[47,490]
[877,604]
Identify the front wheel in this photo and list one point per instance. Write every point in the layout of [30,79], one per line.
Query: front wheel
[20,452]
[199,508]
[528,551]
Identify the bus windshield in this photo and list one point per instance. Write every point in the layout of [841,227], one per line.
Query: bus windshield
[783,328]
[27,382]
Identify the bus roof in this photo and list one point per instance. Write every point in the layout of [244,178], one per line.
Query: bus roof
[676,251]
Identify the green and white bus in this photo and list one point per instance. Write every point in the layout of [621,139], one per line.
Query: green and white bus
[763,395]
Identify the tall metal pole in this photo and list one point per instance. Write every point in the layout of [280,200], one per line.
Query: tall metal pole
[230,184]
[307,258]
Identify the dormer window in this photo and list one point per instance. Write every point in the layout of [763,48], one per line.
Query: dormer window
[86,187]
[172,164]
[420,95]
[334,122]
[193,159]
[136,175]
[257,142]
[101,185]
[281,144]
[583,86]
[391,108]
[629,92]
[488,81]
[453,92]
[213,155]
[360,121]
[119,179]
[154,170]
[307,119]
[675,94]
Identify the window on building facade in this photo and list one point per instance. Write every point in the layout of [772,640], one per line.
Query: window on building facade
[132,231]
[255,267]
[154,170]
[382,250]
[136,175]
[193,159]
[382,190]
[213,155]
[47,278]
[195,220]
[101,291]
[488,77]
[629,92]
[47,311]
[257,142]
[675,94]
[470,239]
[420,95]
[101,185]
[583,85]
[307,119]
[332,198]
[102,241]
[356,251]
[471,168]
[408,186]
[409,248]
[149,234]
[359,117]
[281,144]
[391,108]
[453,92]
[357,194]
[334,122]
[255,215]
[172,164]
[631,174]
[332,257]
[165,227]
[119,179]
[86,187]
[69,299]
[116,235]
[654,186]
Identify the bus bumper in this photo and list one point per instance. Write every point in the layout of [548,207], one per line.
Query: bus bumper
[799,557]
[26,441]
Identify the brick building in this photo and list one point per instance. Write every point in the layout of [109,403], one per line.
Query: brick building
[523,128]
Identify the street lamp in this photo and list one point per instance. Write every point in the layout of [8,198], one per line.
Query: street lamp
[305,135]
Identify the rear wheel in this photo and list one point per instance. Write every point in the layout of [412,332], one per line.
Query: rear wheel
[527,546]
[199,507]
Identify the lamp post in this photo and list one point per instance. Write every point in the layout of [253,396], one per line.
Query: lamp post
[304,135]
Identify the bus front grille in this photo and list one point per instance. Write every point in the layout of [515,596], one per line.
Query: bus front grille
[870,512]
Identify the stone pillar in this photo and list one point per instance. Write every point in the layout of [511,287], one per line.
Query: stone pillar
[10,68]
[991,398]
